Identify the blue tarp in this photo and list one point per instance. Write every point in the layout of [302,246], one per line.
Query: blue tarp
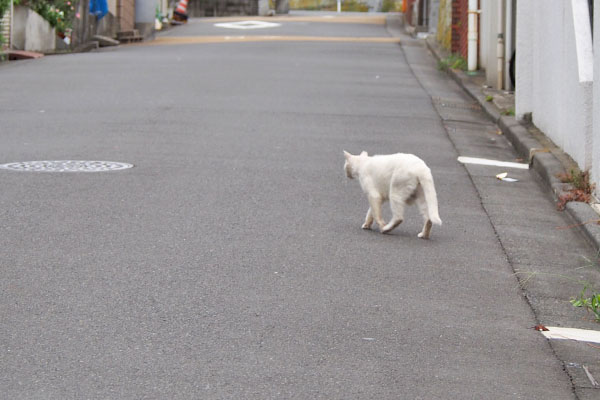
[99,8]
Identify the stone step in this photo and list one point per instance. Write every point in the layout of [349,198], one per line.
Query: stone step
[129,36]
[131,39]
[105,41]
[22,55]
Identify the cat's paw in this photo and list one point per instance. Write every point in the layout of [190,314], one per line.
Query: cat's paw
[366,226]
[422,236]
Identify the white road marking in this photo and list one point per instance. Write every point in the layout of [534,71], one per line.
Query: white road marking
[581,335]
[248,25]
[496,163]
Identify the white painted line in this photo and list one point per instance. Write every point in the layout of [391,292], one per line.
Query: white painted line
[581,335]
[247,25]
[496,163]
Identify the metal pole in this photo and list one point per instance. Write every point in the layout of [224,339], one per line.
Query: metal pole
[500,46]
[339,6]
[472,36]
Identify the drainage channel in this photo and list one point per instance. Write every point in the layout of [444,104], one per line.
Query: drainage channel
[66,166]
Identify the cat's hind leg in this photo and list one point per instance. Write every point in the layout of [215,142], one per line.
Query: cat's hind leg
[376,201]
[397,206]
[368,220]
[422,204]
[424,234]
[402,192]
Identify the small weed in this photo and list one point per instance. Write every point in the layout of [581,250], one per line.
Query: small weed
[3,41]
[391,6]
[489,98]
[510,111]
[454,61]
[579,179]
[590,304]
[581,191]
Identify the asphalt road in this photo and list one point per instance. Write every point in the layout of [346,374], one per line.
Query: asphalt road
[230,262]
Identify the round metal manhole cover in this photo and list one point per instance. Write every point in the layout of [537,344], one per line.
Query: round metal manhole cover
[66,166]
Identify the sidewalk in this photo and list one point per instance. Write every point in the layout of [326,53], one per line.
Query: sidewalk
[530,143]
[549,256]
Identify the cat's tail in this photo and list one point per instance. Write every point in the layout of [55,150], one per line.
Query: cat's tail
[426,181]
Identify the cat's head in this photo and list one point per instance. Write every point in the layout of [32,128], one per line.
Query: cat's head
[351,164]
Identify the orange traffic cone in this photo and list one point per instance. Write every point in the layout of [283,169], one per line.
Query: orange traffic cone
[180,13]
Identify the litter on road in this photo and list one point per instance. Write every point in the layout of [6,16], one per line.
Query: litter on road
[504,177]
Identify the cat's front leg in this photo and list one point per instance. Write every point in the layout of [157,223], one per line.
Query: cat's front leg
[368,220]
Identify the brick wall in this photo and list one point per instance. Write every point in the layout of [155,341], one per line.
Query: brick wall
[460,27]
[126,15]
[408,13]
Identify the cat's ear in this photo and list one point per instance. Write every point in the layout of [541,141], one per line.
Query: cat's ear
[364,154]
[347,155]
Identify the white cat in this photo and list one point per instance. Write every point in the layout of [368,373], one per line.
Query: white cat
[403,179]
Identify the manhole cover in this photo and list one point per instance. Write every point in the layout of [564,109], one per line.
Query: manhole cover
[248,25]
[66,166]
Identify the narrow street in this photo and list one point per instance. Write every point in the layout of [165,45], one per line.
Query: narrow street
[229,262]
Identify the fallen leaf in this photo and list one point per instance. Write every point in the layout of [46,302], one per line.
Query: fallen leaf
[540,327]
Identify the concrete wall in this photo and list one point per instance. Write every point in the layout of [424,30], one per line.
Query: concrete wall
[145,13]
[510,42]
[444,27]
[484,33]
[434,13]
[107,26]
[596,108]
[525,48]
[488,39]
[202,8]
[31,32]
[112,6]
[555,74]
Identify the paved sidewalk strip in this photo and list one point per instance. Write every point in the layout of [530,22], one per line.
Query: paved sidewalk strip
[549,263]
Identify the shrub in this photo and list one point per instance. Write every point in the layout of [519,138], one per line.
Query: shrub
[58,13]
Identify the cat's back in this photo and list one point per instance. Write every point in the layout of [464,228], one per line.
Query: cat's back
[397,160]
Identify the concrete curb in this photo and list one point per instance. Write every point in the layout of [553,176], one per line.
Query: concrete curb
[545,164]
